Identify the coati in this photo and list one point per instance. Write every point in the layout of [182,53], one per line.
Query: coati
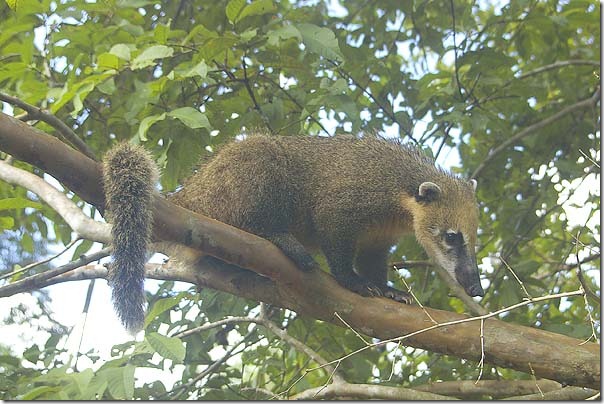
[351,198]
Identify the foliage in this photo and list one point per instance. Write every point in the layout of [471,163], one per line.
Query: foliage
[184,77]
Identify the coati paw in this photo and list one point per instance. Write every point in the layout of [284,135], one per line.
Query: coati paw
[398,295]
[369,289]
[305,262]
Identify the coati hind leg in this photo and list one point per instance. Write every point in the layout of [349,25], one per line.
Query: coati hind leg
[339,254]
[293,249]
[372,264]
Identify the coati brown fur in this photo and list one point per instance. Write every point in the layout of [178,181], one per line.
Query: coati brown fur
[350,198]
[129,175]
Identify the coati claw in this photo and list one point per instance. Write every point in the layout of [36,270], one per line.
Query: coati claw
[398,296]
[369,289]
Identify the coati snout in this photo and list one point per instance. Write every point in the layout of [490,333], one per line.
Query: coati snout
[445,223]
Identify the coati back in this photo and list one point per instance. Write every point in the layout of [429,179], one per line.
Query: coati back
[351,198]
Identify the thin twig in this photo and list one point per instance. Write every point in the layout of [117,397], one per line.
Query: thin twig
[459,86]
[465,320]
[589,158]
[534,128]
[210,368]
[389,113]
[293,99]
[481,363]
[417,301]
[517,278]
[42,262]
[535,379]
[246,83]
[215,324]
[328,380]
[64,131]
[350,328]
[31,282]
[398,346]
[556,65]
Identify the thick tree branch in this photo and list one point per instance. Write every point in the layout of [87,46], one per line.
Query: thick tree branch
[64,130]
[367,392]
[564,394]
[493,388]
[84,226]
[315,294]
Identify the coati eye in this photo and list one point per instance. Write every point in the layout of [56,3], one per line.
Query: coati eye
[453,239]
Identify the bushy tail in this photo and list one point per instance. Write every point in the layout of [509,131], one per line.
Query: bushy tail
[130,176]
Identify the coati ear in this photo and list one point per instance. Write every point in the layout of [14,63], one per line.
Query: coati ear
[474,183]
[428,192]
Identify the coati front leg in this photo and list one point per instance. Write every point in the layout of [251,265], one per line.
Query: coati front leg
[340,254]
[293,249]
[372,264]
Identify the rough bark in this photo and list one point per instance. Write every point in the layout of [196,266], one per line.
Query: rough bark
[316,294]
[492,388]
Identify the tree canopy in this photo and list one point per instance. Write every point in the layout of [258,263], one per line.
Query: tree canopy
[507,93]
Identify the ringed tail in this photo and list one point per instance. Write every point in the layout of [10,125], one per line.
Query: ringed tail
[129,176]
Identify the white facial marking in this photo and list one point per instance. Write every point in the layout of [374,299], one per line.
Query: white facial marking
[446,263]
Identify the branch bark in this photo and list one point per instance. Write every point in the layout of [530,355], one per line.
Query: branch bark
[493,388]
[564,394]
[315,294]
[367,392]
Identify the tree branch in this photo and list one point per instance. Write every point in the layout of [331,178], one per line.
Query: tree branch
[493,388]
[366,391]
[39,280]
[564,394]
[64,130]
[530,130]
[84,226]
[556,65]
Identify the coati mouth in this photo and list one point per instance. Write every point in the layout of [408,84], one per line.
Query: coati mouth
[475,290]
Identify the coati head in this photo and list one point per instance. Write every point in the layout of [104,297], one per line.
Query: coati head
[445,220]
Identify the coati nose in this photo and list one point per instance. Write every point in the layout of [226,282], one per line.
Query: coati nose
[475,290]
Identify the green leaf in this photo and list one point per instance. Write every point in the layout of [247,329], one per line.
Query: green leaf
[257,7]
[80,95]
[248,35]
[146,124]
[191,117]
[200,69]
[40,391]
[321,41]
[27,243]
[18,203]
[233,9]
[120,381]
[283,34]
[82,249]
[161,306]
[12,4]
[148,56]
[121,50]
[107,87]
[168,347]
[108,61]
